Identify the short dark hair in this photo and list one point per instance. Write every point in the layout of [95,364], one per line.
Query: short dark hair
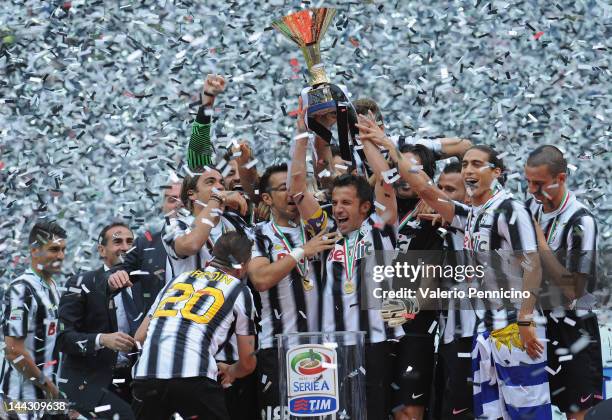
[364,190]
[494,159]
[189,183]
[428,161]
[102,236]
[264,181]
[452,168]
[363,105]
[232,248]
[43,231]
[550,156]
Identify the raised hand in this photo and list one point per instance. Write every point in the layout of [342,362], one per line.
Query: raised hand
[370,131]
[245,152]
[301,112]
[213,86]
[234,200]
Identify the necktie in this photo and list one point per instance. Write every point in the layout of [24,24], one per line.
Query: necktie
[131,311]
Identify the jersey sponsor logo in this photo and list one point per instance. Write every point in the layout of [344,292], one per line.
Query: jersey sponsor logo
[363,249]
[312,380]
[16,315]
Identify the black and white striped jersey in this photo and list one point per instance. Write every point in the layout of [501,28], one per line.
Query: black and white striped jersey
[190,319]
[571,229]
[182,225]
[292,305]
[30,311]
[348,302]
[460,319]
[502,224]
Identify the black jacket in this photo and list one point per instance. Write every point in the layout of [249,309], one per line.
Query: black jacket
[85,310]
[148,255]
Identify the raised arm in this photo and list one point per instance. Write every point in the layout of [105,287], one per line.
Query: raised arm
[384,193]
[191,243]
[454,146]
[307,204]
[200,150]
[247,171]
[418,180]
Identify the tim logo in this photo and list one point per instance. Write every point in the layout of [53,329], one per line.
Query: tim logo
[312,406]
[312,380]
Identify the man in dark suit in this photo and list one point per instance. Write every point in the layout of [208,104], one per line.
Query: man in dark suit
[146,262]
[96,334]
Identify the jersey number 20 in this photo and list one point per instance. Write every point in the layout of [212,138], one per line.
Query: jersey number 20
[192,297]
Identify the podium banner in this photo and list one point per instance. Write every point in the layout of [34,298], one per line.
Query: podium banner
[321,377]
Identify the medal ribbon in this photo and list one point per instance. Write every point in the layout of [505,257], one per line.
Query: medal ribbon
[553,225]
[349,259]
[470,230]
[302,267]
[408,217]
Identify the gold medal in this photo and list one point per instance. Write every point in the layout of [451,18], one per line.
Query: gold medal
[348,287]
[307,284]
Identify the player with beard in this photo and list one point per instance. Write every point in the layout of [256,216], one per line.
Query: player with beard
[494,222]
[347,297]
[287,278]
[567,236]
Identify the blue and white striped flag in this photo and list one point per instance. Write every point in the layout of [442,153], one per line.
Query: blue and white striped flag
[507,382]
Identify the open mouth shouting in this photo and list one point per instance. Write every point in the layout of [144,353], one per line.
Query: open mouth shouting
[342,222]
[471,183]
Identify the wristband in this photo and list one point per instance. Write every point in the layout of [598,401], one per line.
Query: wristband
[210,95]
[525,323]
[297,254]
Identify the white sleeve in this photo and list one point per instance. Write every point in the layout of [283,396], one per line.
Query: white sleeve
[244,312]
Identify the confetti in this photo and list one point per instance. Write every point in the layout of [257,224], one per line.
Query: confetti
[569,321]
[101,408]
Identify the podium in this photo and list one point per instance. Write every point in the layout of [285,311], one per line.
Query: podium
[322,375]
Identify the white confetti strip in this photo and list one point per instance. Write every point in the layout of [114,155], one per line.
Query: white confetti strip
[102,408]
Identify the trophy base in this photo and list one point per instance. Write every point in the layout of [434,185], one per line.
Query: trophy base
[320,100]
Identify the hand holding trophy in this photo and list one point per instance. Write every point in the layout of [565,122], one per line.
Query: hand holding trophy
[324,102]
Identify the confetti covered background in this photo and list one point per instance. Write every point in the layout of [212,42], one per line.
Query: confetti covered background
[97,97]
